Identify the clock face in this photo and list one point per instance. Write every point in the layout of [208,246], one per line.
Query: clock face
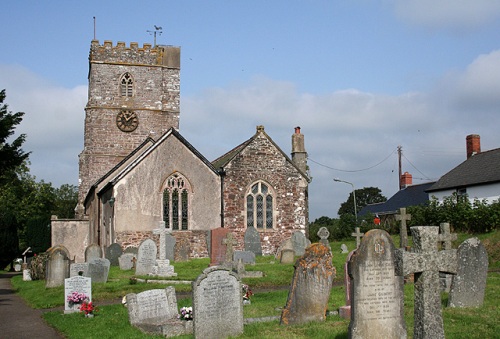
[127,121]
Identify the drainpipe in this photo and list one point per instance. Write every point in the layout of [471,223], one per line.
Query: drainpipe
[222,174]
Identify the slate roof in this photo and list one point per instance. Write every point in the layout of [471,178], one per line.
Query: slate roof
[480,169]
[410,196]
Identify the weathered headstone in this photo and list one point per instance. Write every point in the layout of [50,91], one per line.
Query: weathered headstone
[99,270]
[93,251]
[217,248]
[155,311]
[230,242]
[247,257]
[146,257]
[299,242]
[285,245]
[80,268]
[78,284]
[446,238]
[217,304]
[311,286]
[182,249]
[426,262]
[131,249]
[113,252]
[403,231]
[323,235]
[376,292]
[57,268]
[343,248]
[287,256]
[468,285]
[126,261]
[170,247]
[252,241]
[345,311]
[358,236]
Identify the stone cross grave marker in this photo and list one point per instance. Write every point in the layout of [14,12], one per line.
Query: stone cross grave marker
[426,262]
[252,241]
[146,257]
[446,237]
[358,236]
[310,288]
[217,304]
[229,241]
[468,285]
[162,231]
[377,295]
[323,235]
[99,270]
[403,231]
[78,284]
[162,267]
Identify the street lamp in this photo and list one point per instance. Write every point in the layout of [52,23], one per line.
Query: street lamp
[354,196]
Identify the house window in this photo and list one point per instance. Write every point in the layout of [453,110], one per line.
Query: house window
[176,203]
[126,85]
[260,206]
[462,191]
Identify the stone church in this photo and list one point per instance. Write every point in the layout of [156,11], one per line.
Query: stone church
[137,170]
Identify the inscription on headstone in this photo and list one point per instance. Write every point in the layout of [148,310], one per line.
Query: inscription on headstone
[78,284]
[146,257]
[99,270]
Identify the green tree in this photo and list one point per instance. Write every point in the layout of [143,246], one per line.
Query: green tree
[364,196]
[66,200]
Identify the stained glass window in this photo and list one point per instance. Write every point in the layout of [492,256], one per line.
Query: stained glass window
[176,203]
[260,206]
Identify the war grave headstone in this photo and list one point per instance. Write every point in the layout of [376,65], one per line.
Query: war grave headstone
[113,252]
[79,285]
[426,262]
[287,256]
[80,268]
[217,304]
[446,238]
[345,311]
[217,248]
[146,257]
[99,270]
[162,267]
[323,235]
[377,295]
[403,231]
[310,288]
[93,251]
[155,311]
[57,267]
[299,242]
[357,233]
[469,284]
[252,241]
[126,261]
[343,248]
[182,249]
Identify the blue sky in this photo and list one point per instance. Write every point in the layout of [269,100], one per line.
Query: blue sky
[360,77]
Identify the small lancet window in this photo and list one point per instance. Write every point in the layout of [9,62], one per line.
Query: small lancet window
[126,85]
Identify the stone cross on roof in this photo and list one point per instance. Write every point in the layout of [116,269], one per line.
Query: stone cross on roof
[358,236]
[229,241]
[426,262]
[162,231]
[403,232]
[446,236]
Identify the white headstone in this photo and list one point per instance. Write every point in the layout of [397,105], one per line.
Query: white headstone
[76,284]
[146,257]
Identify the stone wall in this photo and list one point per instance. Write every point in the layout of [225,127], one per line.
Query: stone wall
[72,234]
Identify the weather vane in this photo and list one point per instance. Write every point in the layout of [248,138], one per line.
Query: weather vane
[158,30]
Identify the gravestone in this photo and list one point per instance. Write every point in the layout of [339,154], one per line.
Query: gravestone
[468,285]
[403,231]
[126,261]
[182,249]
[376,292]
[252,241]
[285,245]
[113,252]
[93,251]
[57,266]
[146,257]
[217,304]
[343,248]
[131,249]
[323,235]
[299,242]
[345,311]
[77,284]
[310,288]
[446,238]
[358,236]
[170,247]
[247,257]
[217,248]
[77,268]
[230,242]
[426,262]
[162,267]
[287,256]
[155,311]
[99,270]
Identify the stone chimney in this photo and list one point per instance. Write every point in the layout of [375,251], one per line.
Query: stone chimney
[299,154]
[405,180]
[473,142]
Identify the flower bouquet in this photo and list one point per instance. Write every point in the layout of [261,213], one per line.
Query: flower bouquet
[76,298]
[247,293]
[88,308]
[186,313]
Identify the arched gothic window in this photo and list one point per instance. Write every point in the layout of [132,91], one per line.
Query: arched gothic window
[176,202]
[126,85]
[260,206]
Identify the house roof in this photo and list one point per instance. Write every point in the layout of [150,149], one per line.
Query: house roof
[479,169]
[410,196]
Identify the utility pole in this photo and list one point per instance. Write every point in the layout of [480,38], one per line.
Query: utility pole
[400,150]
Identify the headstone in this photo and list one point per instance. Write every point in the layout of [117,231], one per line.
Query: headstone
[170,247]
[99,270]
[403,231]
[285,245]
[230,242]
[162,231]
[131,249]
[252,241]
[287,256]
[162,267]
[247,257]
[299,242]
[182,249]
[146,257]
[113,252]
[358,236]
[446,238]
[80,268]
[426,262]
[217,304]
[93,251]
[217,248]
[155,311]
[311,286]
[76,284]
[468,285]
[376,292]
[343,248]
[126,261]
[323,235]
[345,311]
[57,268]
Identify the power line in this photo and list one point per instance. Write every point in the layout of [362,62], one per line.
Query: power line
[351,171]
[416,168]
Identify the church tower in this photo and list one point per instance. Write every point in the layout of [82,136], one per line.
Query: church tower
[133,93]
